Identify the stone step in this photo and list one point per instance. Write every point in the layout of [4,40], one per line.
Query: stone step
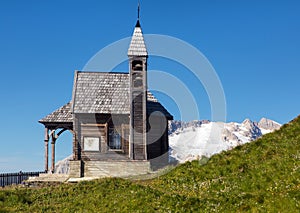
[49,178]
[115,168]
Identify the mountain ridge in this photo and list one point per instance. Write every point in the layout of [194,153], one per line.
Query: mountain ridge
[191,140]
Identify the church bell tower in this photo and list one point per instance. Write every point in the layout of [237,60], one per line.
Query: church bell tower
[137,56]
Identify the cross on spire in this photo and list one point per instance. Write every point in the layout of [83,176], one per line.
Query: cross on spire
[139,10]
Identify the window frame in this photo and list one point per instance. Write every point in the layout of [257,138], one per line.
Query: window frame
[116,133]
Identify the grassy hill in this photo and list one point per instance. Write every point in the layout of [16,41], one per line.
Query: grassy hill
[262,176]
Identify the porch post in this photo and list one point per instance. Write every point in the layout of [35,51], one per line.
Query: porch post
[76,135]
[53,151]
[75,147]
[46,141]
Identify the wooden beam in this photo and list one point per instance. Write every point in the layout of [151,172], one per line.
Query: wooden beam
[76,135]
[98,125]
[60,132]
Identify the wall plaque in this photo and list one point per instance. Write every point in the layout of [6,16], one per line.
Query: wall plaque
[91,144]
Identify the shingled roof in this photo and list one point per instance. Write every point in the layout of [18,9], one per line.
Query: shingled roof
[107,93]
[137,45]
[61,115]
[60,118]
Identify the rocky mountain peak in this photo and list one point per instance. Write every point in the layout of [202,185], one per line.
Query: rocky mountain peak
[248,123]
[207,138]
[268,124]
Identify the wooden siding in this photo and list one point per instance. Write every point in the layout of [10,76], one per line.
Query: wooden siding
[94,130]
[125,138]
[97,126]
[138,126]
[157,138]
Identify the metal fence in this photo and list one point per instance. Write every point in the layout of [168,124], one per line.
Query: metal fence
[16,178]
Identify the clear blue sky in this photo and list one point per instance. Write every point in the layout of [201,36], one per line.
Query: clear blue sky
[254,47]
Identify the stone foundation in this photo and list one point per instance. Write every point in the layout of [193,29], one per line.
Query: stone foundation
[48,177]
[115,168]
[75,169]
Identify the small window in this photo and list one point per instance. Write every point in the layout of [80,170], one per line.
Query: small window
[137,65]
[138,83]
[137,79]
[114,141]
[91,144]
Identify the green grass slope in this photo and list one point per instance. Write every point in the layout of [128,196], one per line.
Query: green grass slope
[262,176]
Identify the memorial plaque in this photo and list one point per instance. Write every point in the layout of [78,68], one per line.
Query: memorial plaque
[91,144]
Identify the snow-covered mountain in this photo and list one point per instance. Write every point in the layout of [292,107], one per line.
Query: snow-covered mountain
[63,166]
[191,140]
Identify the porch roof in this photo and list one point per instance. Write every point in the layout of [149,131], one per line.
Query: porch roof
[60,118]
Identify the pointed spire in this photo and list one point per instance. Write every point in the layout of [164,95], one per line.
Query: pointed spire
[137,45]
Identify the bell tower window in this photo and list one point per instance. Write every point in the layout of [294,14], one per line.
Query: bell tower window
[137,80]
[137,65]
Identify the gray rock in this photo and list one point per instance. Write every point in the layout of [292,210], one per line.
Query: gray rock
[268,124]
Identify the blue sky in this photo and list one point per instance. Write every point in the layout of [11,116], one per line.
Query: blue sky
[254,47]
